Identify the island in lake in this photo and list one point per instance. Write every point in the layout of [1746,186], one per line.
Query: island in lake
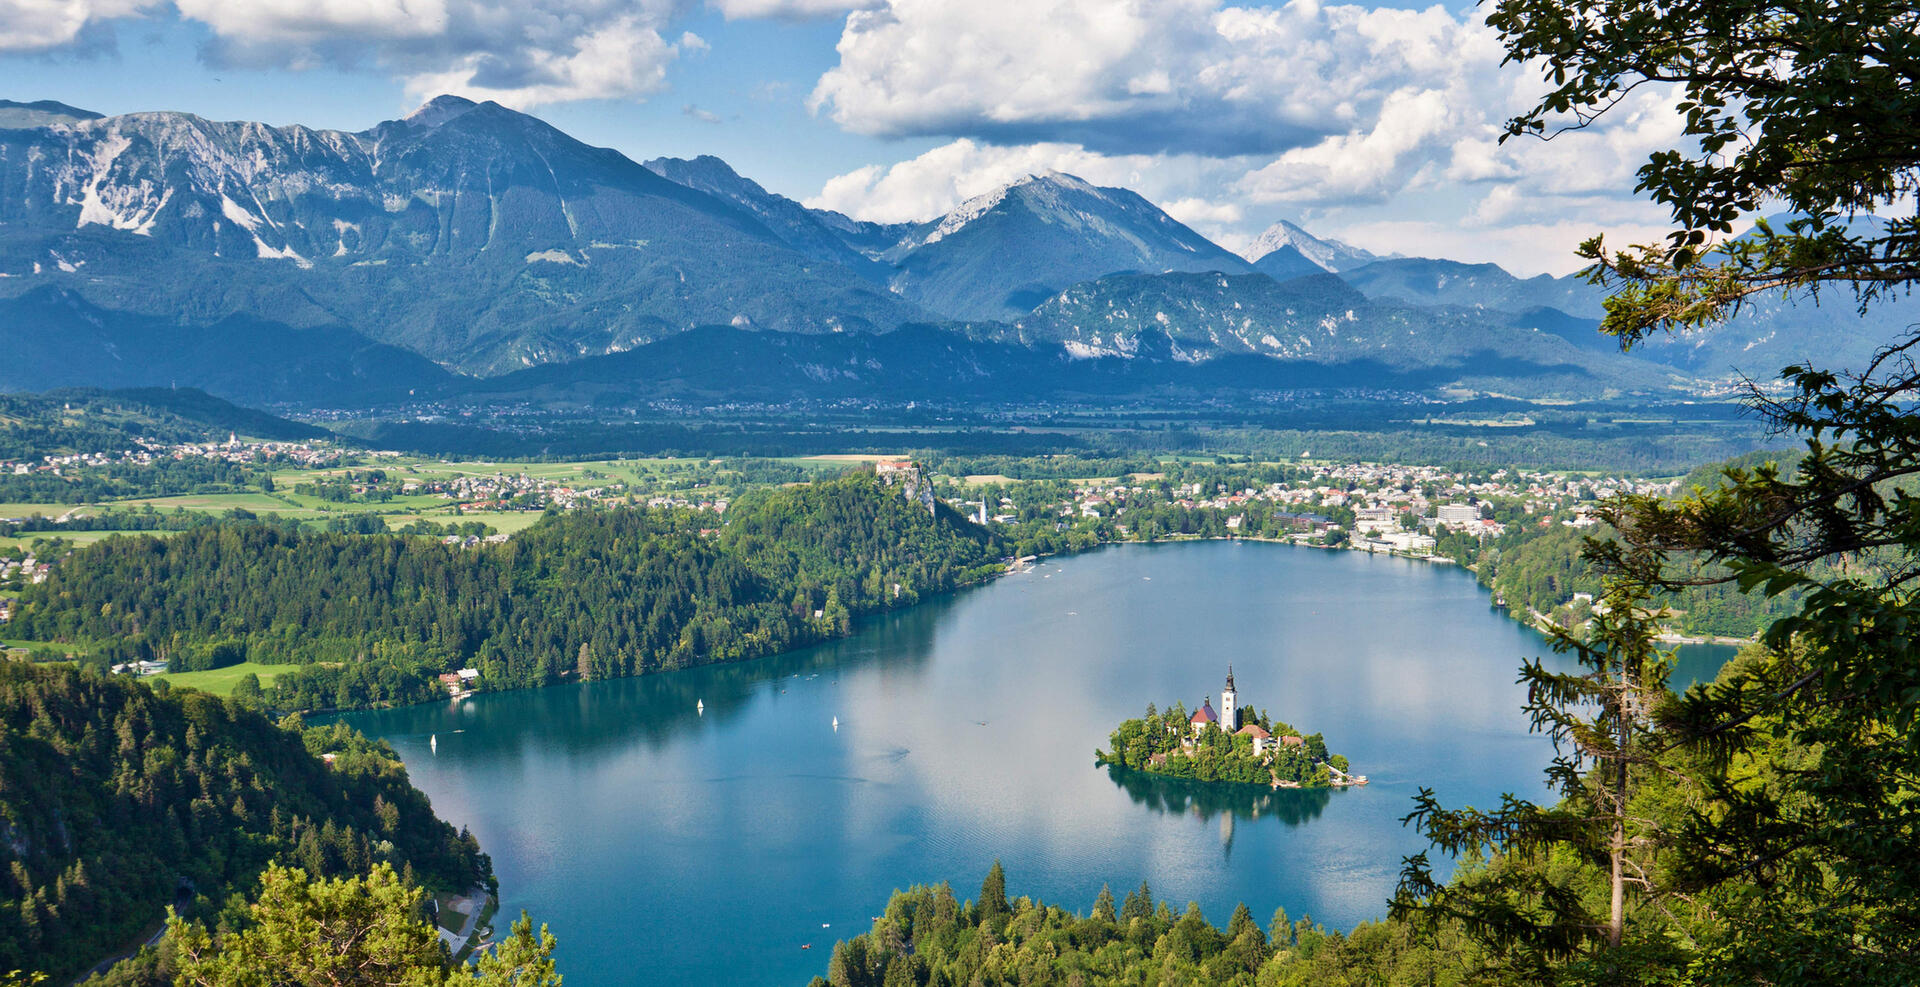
[1235,745]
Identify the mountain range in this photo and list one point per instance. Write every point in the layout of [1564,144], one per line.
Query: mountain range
[436,253]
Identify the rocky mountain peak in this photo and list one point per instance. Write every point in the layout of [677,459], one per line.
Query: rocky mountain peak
[439,110]
[1331,255]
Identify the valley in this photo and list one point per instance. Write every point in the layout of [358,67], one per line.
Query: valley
[709,478]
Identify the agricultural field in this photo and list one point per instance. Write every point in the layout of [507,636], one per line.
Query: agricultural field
[220,681]
[505,496]
[77,538]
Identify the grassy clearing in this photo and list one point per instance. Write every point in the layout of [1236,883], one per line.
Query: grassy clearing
[42,510]
[257,502]
[80,538]
[220,681]
[24,645]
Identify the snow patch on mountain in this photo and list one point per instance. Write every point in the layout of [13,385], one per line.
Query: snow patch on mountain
[966,212]
[1330,255]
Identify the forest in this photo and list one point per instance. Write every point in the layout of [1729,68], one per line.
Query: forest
[929,938]
[588,594]
[120,800]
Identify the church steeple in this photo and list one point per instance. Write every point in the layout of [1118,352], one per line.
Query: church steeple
[1229,709]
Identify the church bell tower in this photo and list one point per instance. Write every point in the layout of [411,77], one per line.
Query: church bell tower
[1229,710]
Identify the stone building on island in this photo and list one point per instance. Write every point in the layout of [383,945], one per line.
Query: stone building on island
[1228,719]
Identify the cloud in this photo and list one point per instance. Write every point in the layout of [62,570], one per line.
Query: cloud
[1379,125]
[935,181]
[734,10]
[520,52]
[622,58]
[1525,249]
[43,25]
[705,116]
[1141,76]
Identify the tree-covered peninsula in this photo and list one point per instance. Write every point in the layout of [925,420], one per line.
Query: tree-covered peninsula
[1243,745]
[118,801]
[592,593]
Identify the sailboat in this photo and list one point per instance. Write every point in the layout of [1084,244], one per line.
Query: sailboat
[700,706]
[433,743]
[836,724]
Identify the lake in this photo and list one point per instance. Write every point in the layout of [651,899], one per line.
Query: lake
[668,845]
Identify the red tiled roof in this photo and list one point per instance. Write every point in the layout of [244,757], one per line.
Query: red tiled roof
[1204,714]
[1253,730]
[1292,741]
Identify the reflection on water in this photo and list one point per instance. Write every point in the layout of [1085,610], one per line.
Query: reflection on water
[774,804]
[1205,800]
[1228,801]
[651,711]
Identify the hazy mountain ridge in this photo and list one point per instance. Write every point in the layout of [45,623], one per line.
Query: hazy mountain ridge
[472,234]
[722,365]
[250,258]
[1318,319]
[54,338]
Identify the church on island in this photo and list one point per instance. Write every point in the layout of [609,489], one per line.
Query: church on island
[1230,743]
[1205,717]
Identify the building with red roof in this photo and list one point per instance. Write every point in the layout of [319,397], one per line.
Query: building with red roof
[1204,716]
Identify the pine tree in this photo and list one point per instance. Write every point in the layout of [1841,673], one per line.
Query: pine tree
[1103,905]
[993,893]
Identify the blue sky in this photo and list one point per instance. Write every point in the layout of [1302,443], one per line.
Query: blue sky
[1372,123]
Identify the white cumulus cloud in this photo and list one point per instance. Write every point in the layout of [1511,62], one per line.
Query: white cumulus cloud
[1231,116]
[931,183]
[520,52]
[38,25]
[734,10]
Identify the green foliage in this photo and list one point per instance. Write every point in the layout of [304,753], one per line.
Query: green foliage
[928,939]
[612,592]
[308,932]
[1812,107]
[118,802]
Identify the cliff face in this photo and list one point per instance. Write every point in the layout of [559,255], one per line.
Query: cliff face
[912,480]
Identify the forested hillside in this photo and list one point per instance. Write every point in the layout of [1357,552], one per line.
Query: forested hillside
[1541,571]
[83,420]
[117,801]
[592,593]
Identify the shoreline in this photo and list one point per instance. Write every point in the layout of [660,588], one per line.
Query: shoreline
[1027,563]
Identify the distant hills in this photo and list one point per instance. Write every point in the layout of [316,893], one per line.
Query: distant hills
[56,338]
[469,248]
[89,420]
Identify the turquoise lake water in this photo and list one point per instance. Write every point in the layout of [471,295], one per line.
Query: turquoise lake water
[664,845]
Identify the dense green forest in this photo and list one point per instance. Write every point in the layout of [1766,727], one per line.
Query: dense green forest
[929,938]
[1163,743]
[590,593]
[117,800]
